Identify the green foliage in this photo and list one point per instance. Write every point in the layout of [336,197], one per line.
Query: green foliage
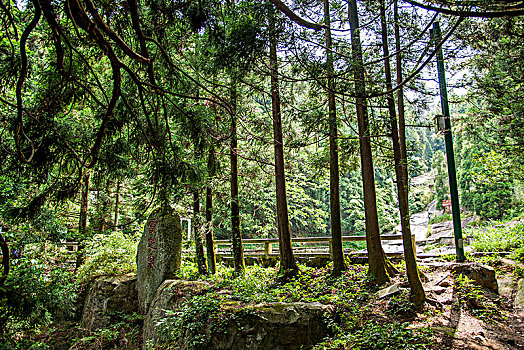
[113,254]
[468,293]
[518,254]
[440,218]
[471,297]
[518,273]
[499,238]
[497,111]
[188,326]
[40,286]
[441,177]
[124,331]
[419,198]
[401,305]
[254,286]
[490,194]
[376,336]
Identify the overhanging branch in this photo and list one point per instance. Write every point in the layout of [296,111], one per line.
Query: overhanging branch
[294,17]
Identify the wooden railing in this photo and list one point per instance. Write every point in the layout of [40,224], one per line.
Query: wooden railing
[302,246]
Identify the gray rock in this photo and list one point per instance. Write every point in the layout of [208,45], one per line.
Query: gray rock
[107,295]
[437,289]
[278,326]
[481,275]
[519,297]
[506,286]
[394,288]
[159,254]
[169,296]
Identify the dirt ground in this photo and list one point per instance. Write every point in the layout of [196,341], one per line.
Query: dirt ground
[490,322]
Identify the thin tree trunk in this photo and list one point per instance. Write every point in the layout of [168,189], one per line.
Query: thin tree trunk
[82,222]
[398,137]
[288,266]
[236,236]
[84,204]
[117,205]
[5,259]
[199,247]
[334,182]
[376,256]
[210,242]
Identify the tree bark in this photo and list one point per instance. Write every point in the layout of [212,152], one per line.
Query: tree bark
[84,203]
[398,137]
[210,242]
[82,222]
[288,266]
[376,256]
[236,236]
[334,182]
[5,260]
[117,205]
[199,247]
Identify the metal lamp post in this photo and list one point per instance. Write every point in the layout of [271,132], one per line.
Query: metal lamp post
[444,126]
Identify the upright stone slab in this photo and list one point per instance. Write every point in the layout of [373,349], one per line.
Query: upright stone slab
[159,254]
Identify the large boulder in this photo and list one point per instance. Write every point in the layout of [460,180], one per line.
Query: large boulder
[481,275]
[277,326]
[159,254]
[108,295]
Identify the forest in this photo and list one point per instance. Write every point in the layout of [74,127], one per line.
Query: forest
[250,124]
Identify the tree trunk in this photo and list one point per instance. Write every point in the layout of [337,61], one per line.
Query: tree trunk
[398,137]
[288,266]
[210,242]
[236,236]
[5,259]
[82,223]
[199,247]
[376,256]
[334,181]
[84,203]
[117,205]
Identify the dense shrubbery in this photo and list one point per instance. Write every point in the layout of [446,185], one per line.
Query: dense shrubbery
[350,294]
[113,254]
[440,218]
[499,238]
[41,285]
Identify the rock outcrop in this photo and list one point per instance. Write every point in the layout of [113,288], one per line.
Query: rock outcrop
[107,295]
[277,326]
[481,275]
[159,254]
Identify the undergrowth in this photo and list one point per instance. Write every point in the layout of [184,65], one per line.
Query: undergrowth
[221,306]
[499,238]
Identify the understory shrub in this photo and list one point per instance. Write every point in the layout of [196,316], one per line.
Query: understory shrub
[113,254]
[499,238]
[440,218]
[39,288]
[379,336]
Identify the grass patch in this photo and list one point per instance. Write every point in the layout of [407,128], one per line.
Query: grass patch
[499,238]
[440,218]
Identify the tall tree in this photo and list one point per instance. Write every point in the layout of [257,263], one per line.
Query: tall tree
[84,204]
[401,171]
[82,223]
[199,247]
[210,242]
[376,256]
[334,182]
[288,266]
[117,205]
[236,236]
